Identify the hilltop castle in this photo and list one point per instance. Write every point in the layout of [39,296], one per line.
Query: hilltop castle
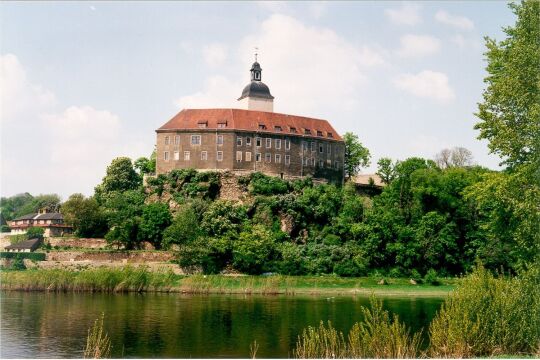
[253,138]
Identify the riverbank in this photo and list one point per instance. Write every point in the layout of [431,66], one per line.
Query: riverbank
[130,279]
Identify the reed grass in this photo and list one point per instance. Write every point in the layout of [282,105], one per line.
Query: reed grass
[489,316]
[98,344]
[253,348]
[377,336]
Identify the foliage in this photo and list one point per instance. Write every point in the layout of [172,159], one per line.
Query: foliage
[223,217]
[252,249]
[23,204]
[34,256]
[17,264]
[386,169]
[85,215]
[120,177]
[5,229]
[267,185]
[356,155]
[489,316]
[145,165]
[35,232]
[155,218]
[431,277]
[184,228]
[123,212]
[510,112]
[455,157]
[98,343]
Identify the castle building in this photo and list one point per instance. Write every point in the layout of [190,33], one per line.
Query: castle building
[253,138]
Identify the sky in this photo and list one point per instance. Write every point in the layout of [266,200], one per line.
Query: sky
[82,83]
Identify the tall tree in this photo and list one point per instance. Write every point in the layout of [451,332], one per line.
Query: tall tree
[356,155]
[386,170]
[455,157]
[120,176]
[85,215]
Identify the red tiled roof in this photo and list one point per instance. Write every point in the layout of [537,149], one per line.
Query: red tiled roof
[249,120]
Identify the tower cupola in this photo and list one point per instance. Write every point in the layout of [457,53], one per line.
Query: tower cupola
[256,95]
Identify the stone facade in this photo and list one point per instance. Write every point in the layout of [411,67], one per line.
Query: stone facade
[274,154]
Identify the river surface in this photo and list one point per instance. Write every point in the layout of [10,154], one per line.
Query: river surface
[50,325]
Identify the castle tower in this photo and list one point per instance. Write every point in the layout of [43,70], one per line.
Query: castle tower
[256,95]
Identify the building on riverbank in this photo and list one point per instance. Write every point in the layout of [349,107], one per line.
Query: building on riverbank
[253,138]
[51,222]
[24,246]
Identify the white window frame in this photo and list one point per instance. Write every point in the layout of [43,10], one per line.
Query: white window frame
[312,146]
[321,163]
[166,156]
[248,141]
[258,157]
[219,140]
[258,142]
[277,144]
[248,155]
[204,155]
[238,141]
[177,140]
[304,145]
[277,158]
[268,143]
[321,148]
[268,157]
[219,156]
[187,155]
[196,140]
[287,159]
[167,140]
[177,155]
[287,144]
[238,156]
[313,161]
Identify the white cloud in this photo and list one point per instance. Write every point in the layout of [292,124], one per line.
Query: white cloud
[459,22]
[412,46]
[407,14]
[308,69]
[17,94]
[214,54]
[426,84]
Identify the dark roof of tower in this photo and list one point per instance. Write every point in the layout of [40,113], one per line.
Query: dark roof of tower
[256,89]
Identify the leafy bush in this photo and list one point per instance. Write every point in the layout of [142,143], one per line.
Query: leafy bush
[184,228]
[4,228]
[35,256]
[432,278]
[18,264]
[35,233]
[252,249]
[261,184]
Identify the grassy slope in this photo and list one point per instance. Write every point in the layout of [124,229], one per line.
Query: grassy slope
[134,279]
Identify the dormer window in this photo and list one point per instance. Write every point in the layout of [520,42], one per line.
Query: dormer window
[307,132]
[277,128]
[202,124]
[330,135]
[319,133]
[262,127]
[293,130]
[222,125]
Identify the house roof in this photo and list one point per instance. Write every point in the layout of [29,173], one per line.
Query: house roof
[27,244]
[26,217]
[249,120]
[45,216]
[363,179]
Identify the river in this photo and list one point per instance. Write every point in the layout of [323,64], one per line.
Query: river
[55,325]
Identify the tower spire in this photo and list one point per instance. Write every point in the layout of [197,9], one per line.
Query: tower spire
[256,50]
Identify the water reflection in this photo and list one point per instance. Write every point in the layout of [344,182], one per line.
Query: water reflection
[172,325]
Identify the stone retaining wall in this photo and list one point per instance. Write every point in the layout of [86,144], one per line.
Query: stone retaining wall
[77,242]
[117,256]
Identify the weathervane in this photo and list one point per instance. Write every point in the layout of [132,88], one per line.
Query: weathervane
[256,49]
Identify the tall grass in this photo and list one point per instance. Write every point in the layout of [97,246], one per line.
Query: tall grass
[489,316]
[98,344]
[377,336]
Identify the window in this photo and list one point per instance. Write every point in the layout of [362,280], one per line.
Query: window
[307,132]
[248,155]
[278,158]
[187,155]
[166,156]
[195,139]
[248,141]
[304,145]
[330,135]
[305,161]
[219,139]
[258,142]
[278,143]
[166,140]
[204,155]
[262,127]
[312,161]
[312,146]
[329,148]
[268,157]
[219,156]
[202,124]
[336,165]
[258,157]
[321,163]
[329,163]
[293,130]
[177,155]
[268,143]
[277,128]
[222,125]
[319,133]
[238,156]
[287,144]
[238,141]
[287,159]
[321,148]
[177,140]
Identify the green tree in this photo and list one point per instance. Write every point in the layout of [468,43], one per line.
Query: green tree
[120,176]
[145,165]
[356,155]
[253,249]
[85,215]
[35,232]
[386,170]
[123,211]
[510,112]
[222,217]
[183,229]
[155,218]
